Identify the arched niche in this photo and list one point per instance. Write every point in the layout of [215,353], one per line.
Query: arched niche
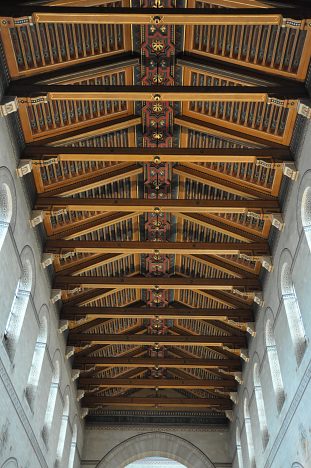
[11,463]
[155,444]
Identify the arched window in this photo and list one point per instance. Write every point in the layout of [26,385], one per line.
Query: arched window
[18,309]
[49,414]
[37,361]
[62,432]
[294,319]
[5,210]
[260,406]
[73,447]
[249,435]
[306,214]
[239,446]
[275,370]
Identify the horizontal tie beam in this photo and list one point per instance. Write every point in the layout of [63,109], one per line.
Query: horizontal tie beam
[184,16]
[158,248]
[140,205]
[97,401]
[239,155]
[142,282]
[175,363]
[174,340]
[76,313]
[158,383]
[37,93]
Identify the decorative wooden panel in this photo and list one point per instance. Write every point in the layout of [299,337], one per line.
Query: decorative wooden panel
[31,49]
[57,117]
[276,50]
[262,120]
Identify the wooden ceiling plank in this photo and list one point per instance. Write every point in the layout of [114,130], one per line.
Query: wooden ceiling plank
[92,130]
[221,265]
[226,133]
[81,92]
[50,204]
[90,224]
[143,282]
[90,263]
[176,340]
[224,225]
[239,155]
[190,363]
[183,16]
[182,312]
[207,176]
[91,181]
[221,248]
[159,383]
[136,402]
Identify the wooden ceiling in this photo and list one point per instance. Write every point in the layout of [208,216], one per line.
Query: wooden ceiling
[158,140]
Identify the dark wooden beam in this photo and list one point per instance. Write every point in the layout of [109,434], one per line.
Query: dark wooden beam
[143,282]
[83,92]
[189,363]
[174,340]
[141,205]
[183,16]
[99,247]
[239,155]
[76,313]
[137,402]
[159,383]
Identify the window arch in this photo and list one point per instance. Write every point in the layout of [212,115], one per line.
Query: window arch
[260,405]
[249,435]
[18,308]
[6,210]
[62,432]
[306,214]
[73,447]
[275,370]
[37,360]
[49,414]
[293,314]
[238,446]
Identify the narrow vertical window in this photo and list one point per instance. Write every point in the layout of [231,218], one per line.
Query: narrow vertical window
[37,361]
[5,211]
[249,435]
[275,370]
[293,314]
[260,407]
[62,433]
[50,409]
[18,310]
[73,447]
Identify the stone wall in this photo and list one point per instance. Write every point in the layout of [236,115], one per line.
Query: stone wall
[272,421]
[196,448]
[31,349]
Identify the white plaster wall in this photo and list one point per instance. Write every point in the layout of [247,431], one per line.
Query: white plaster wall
[99,441]
[20,426]
[289,430]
